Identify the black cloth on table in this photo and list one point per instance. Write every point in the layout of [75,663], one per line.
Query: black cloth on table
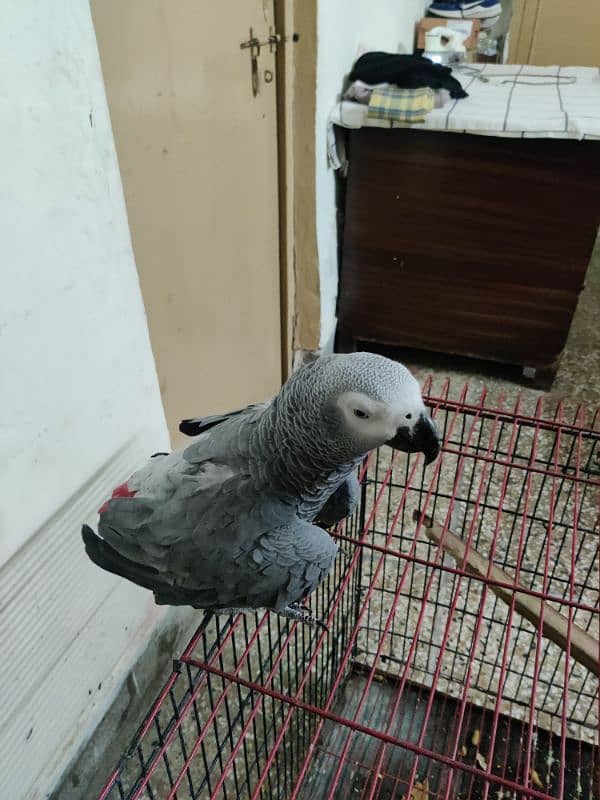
[408,72]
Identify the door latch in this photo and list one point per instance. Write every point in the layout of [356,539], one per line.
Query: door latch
[254,44]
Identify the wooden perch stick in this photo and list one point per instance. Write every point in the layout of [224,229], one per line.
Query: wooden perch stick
[584,648]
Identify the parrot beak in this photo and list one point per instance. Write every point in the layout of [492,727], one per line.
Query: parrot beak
[421,438]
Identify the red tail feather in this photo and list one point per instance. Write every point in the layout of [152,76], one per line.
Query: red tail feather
[121,491]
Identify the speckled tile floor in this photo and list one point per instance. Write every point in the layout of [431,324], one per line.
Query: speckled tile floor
[579,374]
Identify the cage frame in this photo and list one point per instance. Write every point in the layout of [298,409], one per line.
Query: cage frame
[344,602]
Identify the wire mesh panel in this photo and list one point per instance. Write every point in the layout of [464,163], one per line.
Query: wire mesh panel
[443,673]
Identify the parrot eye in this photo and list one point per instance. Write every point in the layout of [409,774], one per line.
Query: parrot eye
[361,414]
[409,416]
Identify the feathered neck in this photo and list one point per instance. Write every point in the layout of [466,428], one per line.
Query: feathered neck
[308,456]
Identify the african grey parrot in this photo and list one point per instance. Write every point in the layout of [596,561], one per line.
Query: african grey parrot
[227,523]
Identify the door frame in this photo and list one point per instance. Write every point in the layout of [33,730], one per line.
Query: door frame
[296,65]
[522,30]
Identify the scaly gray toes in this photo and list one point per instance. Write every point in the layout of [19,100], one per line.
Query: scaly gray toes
[293,611]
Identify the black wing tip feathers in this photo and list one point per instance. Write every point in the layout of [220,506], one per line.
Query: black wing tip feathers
[196,425]
[93,544]
[88,535]
[190,427]
[106,557]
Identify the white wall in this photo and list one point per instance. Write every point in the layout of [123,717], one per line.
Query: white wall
[342,27]
[79,400]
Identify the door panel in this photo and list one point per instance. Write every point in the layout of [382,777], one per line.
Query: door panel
[198,159]
[554,32]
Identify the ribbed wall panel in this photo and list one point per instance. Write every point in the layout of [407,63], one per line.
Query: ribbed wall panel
[68,634]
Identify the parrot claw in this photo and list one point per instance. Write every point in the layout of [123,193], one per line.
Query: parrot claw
[300,607]
[296,612]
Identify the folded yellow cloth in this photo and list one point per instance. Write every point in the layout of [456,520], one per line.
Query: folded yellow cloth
[401,105]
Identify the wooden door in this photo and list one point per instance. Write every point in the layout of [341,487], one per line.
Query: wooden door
[198,159]
[555,32]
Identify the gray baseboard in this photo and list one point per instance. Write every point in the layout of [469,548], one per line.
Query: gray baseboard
[95,761]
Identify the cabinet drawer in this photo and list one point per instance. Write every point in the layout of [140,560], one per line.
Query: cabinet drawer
[467,244]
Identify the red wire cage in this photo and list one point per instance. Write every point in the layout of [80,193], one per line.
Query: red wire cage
[430,682]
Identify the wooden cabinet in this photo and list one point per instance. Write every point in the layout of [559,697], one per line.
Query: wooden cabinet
[466,244]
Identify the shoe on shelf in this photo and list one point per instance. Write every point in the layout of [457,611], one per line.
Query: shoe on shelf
[488,23]
[466,9]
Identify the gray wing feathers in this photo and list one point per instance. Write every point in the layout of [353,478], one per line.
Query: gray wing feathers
[230,440]
[306,554]
[286,563]
[342,503]
[198,425]
[263,562]
[201,531]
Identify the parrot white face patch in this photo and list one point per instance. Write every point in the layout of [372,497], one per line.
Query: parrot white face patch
[368,419]
[375,422]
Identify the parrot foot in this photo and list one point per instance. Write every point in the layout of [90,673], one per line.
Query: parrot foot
[300,607]
[295,611]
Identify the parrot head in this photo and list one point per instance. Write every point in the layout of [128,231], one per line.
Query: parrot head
[369,400]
